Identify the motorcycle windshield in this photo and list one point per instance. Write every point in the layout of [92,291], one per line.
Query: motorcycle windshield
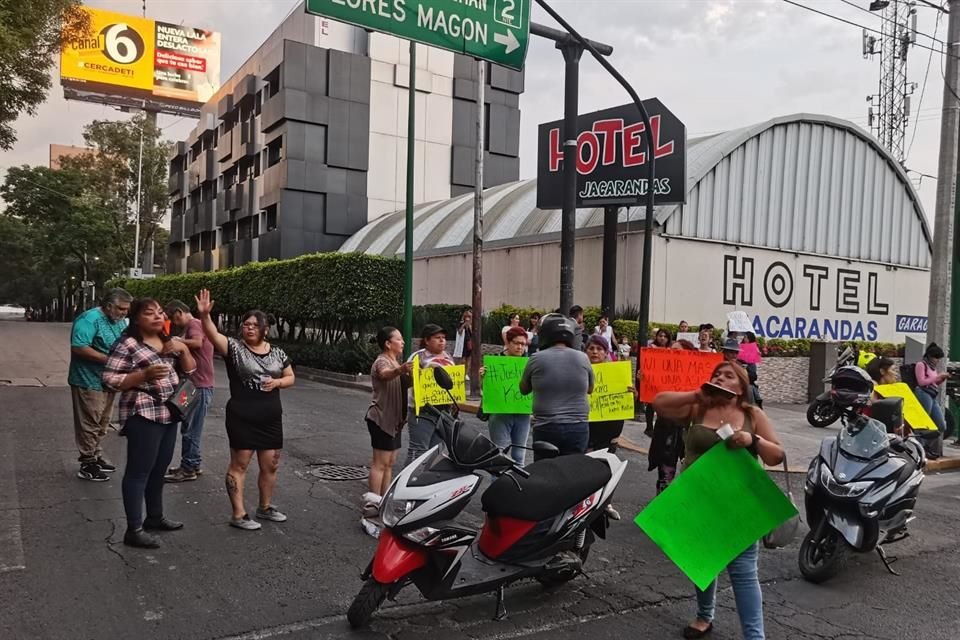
[863,439]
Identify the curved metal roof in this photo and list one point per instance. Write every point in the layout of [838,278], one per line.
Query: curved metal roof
[804,183]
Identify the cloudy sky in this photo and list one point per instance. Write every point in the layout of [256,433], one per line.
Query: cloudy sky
[718,64]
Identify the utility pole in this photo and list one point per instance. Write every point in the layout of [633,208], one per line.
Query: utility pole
[938,314]
[408,220]
[608,286]
[476,360]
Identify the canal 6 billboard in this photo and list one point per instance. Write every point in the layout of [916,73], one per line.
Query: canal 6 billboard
[129,61]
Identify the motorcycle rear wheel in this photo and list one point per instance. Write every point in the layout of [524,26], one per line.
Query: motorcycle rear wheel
[820,561]
[366,602]
[821,414]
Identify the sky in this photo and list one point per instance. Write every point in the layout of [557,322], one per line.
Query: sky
[717,64]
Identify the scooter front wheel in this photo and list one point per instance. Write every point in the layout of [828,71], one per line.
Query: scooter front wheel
[822,559]
[822,414]
[365,604]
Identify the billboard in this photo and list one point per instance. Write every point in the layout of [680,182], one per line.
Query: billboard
[129,61]
[611,158]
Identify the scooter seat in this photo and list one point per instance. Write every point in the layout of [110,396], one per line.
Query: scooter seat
[554,485]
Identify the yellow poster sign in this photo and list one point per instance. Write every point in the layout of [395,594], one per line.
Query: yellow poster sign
[913,412]
[427,391]
[612,398]
[133,57]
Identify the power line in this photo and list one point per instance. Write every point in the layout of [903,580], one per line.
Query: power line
[885,19]
[864,27]
[923,89]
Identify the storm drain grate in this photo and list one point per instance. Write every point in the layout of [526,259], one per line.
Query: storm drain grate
[339,472]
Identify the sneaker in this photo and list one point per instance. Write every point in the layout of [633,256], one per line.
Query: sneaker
[105,465]
[91,471]
[613,513]
[172,470]
[271,514]
[180,475]
[371,498]
[245,523]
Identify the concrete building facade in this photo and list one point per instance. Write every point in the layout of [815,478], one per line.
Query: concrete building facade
[307,142]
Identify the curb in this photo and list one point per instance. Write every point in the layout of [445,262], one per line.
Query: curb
[943,464]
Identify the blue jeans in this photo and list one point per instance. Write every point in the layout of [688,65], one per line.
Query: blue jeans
[150,448]
[192,429]
[933,409]
[423,436]
[569,438]
[746,591]
[511,430]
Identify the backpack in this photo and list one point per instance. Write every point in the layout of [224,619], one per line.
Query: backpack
[908,374]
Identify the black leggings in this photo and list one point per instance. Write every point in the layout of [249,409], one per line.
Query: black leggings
[150,448]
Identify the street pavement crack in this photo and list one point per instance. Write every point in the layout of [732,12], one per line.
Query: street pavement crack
[111,544]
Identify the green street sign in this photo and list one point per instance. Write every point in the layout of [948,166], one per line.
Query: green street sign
[493,30]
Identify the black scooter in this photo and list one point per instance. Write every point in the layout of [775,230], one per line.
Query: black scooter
[861,489]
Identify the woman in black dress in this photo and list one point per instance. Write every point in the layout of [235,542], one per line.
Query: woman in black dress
[257,371]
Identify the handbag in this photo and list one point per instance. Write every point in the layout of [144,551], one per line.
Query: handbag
[786,532]
[182,400]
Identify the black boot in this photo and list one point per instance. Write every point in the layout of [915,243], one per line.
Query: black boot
[138,538]
[161,524]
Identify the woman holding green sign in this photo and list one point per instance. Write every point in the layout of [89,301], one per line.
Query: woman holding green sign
[721,411]
[508,429]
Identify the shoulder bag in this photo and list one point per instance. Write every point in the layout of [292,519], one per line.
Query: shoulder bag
[786,532]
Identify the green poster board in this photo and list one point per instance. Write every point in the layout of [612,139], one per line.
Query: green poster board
[713,511]
[501,386]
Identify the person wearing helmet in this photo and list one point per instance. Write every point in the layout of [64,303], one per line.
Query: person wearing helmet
[560,378]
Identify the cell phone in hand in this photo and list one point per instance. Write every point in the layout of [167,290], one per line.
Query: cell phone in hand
[710,389]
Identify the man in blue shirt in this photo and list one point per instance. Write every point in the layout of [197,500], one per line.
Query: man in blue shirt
[93,335]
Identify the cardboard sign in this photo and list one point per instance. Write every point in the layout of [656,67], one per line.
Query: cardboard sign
[674,370]
[692,337]
[724,493]
[501,386]
[611,399]
[427,391]
[913,412]
[739,322]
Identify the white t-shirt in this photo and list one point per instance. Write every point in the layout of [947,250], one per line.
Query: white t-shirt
[608,334]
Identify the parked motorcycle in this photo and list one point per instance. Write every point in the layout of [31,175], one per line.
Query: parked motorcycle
[540,520]
[862,487]
[824,411]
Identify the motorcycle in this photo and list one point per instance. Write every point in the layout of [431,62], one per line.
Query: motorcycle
[823,411]
[540,520]
[862,487]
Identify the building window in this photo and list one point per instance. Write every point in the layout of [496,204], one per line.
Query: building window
[228,233]
[272,81]
[258,103]
[245,228]
[275,151]
[195,244]
[271,218]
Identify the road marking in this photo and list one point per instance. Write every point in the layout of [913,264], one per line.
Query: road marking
[11,542]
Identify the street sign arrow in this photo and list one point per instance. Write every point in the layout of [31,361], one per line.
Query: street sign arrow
[471,27]
[509,41]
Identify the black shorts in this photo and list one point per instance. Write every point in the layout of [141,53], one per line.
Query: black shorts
[380,439]
[604,433]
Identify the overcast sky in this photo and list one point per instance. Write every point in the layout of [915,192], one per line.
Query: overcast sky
[717,64]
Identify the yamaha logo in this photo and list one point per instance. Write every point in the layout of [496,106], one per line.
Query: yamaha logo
[122,44]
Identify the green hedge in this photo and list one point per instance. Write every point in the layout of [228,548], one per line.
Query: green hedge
[339,295]
[342,357]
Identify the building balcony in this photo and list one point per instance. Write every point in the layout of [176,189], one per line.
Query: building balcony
[222,213]
[176,229]
[175,183]
[206,216]
[225,146]
[200,261]
[208,167]
[269,246]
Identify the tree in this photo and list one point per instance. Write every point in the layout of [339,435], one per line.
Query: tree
[111,175]
[31,34]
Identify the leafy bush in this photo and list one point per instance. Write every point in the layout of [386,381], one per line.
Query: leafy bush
[446,315]
[342,357]
[332,296]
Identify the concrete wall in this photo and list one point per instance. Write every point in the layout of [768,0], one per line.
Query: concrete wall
[786,295]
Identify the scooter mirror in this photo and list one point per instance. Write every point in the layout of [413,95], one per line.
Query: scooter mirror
[545,449]
[443,379]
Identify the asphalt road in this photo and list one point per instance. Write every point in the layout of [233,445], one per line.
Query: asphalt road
[64,574]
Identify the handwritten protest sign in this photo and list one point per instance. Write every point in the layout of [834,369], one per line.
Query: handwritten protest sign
[726,493]
[610,399]
[501,386]
[427,391]
[674,370]
[739,322]
[692,338]
[913,412]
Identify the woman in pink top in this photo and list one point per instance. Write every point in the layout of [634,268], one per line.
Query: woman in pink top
[928,385]
[750,357]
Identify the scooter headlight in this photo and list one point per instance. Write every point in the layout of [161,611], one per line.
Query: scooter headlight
[848,490]
[393,511]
